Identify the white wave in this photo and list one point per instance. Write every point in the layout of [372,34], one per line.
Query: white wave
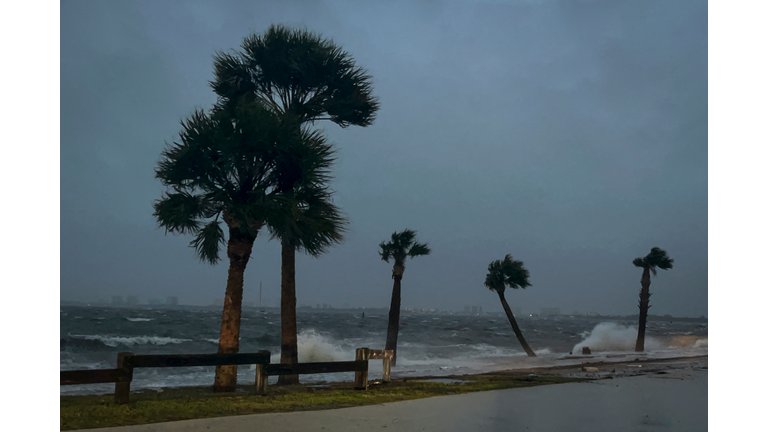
[701,343]
[114,341]
[139,319]
[610,336]
[211,340]
[314,347]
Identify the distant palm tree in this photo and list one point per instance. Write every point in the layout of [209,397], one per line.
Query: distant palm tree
[656,258]
[309,222]
[401,246]
[509,273]
[224,166]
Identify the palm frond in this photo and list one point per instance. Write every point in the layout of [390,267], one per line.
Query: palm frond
[494,280]
[385,251]
[180,212]
[208,241]
[419,249]
[515,273]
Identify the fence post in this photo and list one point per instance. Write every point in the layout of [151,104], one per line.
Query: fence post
[261,379]
[123,388]
[361,377]
[387,365]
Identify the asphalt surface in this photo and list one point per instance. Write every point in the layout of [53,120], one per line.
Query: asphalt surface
[674,399]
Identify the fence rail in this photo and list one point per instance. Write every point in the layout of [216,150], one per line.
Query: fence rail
[126,362]
[94,376]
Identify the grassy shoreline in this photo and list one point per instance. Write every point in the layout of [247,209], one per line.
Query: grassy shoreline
[172,404]
[94,411]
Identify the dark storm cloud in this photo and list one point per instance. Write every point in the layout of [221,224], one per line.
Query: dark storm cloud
[570,134]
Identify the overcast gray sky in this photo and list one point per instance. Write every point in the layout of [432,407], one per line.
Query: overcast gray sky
[570,134]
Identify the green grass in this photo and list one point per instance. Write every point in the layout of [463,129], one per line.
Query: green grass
[84,412]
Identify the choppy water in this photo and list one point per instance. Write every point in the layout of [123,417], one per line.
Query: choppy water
[429,344]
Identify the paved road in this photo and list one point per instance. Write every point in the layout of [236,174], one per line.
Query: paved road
[676,401]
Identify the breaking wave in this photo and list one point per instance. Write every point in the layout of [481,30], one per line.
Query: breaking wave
[610,336]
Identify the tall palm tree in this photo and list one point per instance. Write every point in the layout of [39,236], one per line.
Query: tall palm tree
[224,167]
[657,258]
[509,273]
[301,77]
[401,246]
[309,222]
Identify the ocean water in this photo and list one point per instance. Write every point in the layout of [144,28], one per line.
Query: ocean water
[428,344]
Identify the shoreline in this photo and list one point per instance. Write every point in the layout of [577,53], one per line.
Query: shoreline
[156,408]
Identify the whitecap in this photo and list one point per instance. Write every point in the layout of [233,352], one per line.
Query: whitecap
[114,341]
[139,319]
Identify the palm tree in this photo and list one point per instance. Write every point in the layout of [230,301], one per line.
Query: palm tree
[301,77]
[401,246]
[308,222]
[656,258]
[223,167]
[297,72]
[509,273]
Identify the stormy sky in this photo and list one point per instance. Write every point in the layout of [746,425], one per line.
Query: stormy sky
[569,134]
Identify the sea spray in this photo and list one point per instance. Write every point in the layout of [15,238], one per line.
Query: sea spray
[610,336]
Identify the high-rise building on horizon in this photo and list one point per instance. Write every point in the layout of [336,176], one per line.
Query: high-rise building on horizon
[172,300]
[131,300]
[117,300]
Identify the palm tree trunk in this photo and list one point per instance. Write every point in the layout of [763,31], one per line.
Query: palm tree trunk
[645,298]
[239,251]
[515,328]
[394,318]
[289,349]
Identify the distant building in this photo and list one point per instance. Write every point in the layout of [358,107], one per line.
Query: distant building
[474,310]
[218,302]
[172,301]
[248,304]
[132,300]
[155,301]
[550,311]
[467,309]
[117,301]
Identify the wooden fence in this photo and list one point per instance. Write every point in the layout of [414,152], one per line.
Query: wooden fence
[126,362]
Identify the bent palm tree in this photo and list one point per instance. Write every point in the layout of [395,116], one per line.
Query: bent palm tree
[401,246]
[656,258]
[223,167]
[509,273]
